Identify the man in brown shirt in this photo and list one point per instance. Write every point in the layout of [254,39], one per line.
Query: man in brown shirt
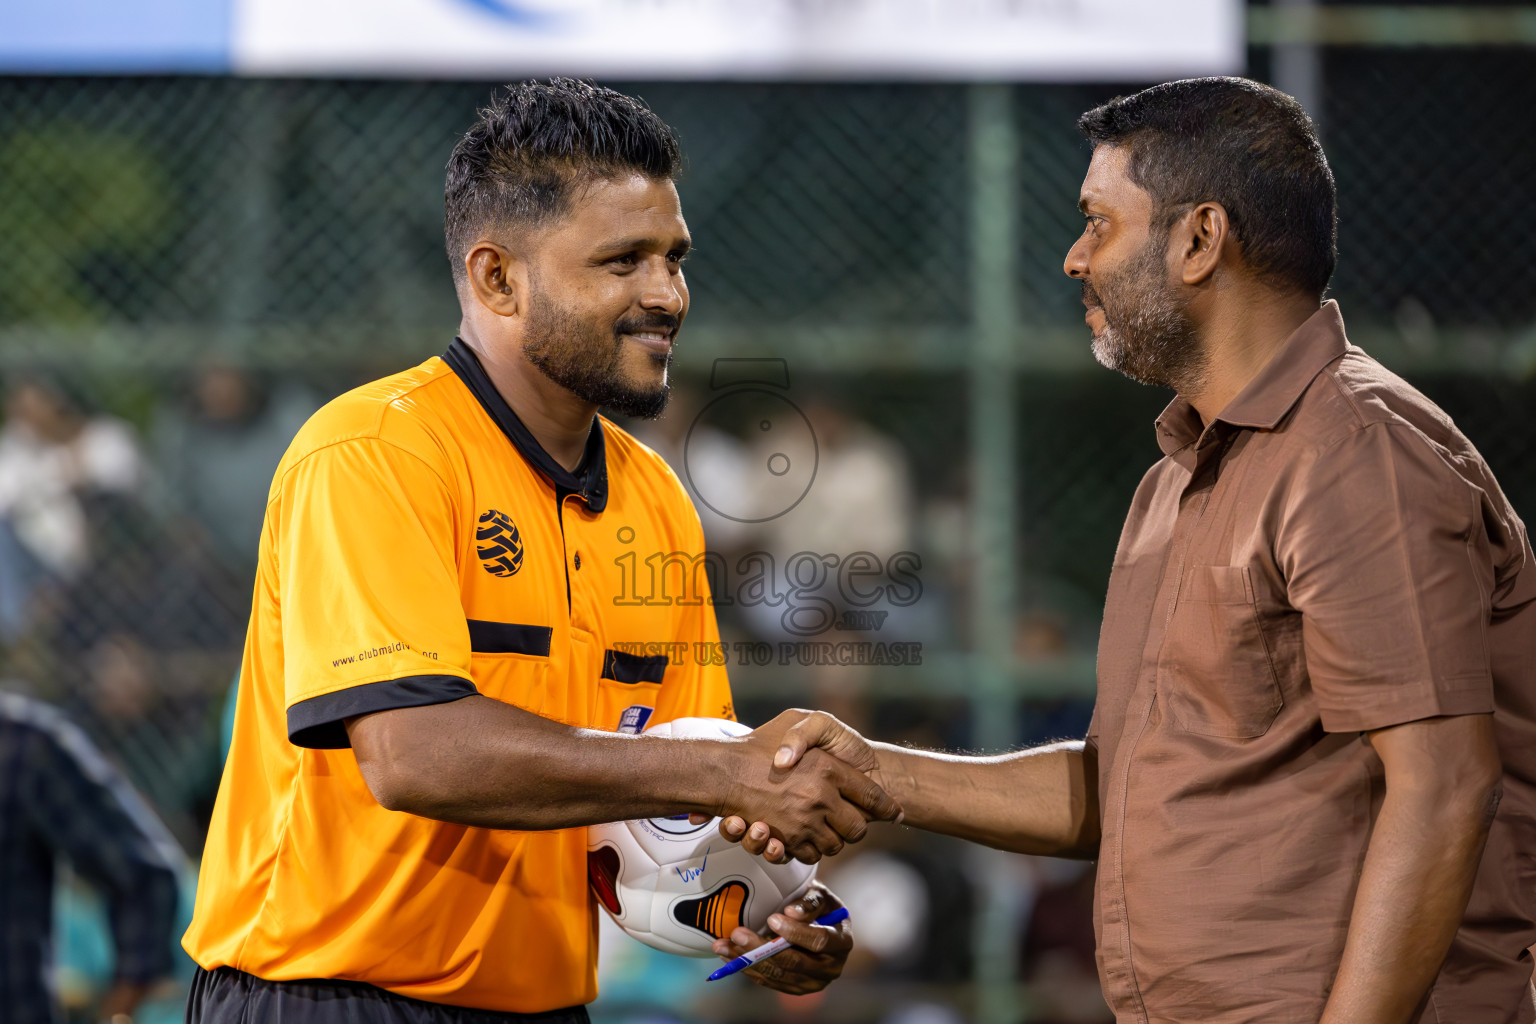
[1317,668]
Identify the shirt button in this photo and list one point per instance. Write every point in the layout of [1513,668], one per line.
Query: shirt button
[577,560]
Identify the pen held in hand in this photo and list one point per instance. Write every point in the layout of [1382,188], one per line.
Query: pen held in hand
[768,949]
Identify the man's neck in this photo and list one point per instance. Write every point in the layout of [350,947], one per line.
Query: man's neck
[1240,337]
[557,419]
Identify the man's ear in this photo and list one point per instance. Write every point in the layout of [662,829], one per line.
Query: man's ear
[498,279]
[1202,236]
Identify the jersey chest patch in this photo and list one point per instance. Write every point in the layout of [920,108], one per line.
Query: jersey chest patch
[498,544]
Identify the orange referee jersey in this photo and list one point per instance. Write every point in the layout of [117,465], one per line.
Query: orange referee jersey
[419,546]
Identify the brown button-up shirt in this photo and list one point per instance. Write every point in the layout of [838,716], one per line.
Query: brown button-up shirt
[1329,556]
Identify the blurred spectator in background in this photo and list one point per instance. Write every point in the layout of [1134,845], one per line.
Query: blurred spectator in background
[140,648]
[859,501]
[913,893]
[59,798]
[1058,949]
[132,623]
[944,529]
[53,457]
[216,455]
[697,449]
[162,741]
[709,461]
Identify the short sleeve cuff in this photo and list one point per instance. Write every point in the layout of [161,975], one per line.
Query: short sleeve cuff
[1475,697]
[317,722]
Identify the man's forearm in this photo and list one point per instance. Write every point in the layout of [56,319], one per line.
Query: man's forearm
[1413,891]
[480,762]
[1038,801]
[1442,790]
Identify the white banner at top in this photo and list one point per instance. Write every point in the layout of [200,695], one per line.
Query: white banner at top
[1039,40]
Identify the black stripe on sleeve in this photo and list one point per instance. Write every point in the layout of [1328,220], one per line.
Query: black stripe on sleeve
[633,668]
[509,638]
[317,723]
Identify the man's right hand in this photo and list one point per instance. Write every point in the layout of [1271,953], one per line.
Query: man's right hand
[506,768]
[813,739]
[808,802]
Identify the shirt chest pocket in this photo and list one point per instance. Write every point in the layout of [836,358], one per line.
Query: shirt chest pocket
[628,690]
[1215,669]
[510,662]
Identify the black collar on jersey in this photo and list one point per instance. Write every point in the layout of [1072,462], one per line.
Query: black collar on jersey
[590,480]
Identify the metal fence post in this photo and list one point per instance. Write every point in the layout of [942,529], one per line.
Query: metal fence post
[250,210]
[1297,67]
[994,165]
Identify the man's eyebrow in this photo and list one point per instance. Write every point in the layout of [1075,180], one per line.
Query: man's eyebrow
[632,244]
[1084,199]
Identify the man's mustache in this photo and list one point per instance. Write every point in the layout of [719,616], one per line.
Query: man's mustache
[1090,297]
[649,322]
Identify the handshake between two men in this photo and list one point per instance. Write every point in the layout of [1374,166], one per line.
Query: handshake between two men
[826,784]
[803,785]
[820,793]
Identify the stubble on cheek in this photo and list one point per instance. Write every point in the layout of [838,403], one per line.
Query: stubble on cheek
[1145,332]
[588,357]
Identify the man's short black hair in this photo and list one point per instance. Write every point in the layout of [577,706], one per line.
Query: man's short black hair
[532,147]
[1249,147]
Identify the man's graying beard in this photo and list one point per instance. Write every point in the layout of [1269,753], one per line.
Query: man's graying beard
[584,357]
[1148,335]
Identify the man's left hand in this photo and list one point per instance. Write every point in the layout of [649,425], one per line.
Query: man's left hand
[818,953]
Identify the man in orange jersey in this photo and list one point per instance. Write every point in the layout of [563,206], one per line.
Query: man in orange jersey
[440,650]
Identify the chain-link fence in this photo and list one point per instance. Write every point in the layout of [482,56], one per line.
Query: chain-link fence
[188,266]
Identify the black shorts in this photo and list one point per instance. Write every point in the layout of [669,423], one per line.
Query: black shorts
[227,996]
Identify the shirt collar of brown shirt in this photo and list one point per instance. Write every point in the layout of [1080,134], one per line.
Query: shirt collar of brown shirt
[1269,396]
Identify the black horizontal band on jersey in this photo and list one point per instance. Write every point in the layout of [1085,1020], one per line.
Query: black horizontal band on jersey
[623,667]
[486,637]
[317,723]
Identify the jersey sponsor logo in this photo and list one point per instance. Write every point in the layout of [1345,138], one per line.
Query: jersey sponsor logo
[634,717]
[716,914]
[499,545]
